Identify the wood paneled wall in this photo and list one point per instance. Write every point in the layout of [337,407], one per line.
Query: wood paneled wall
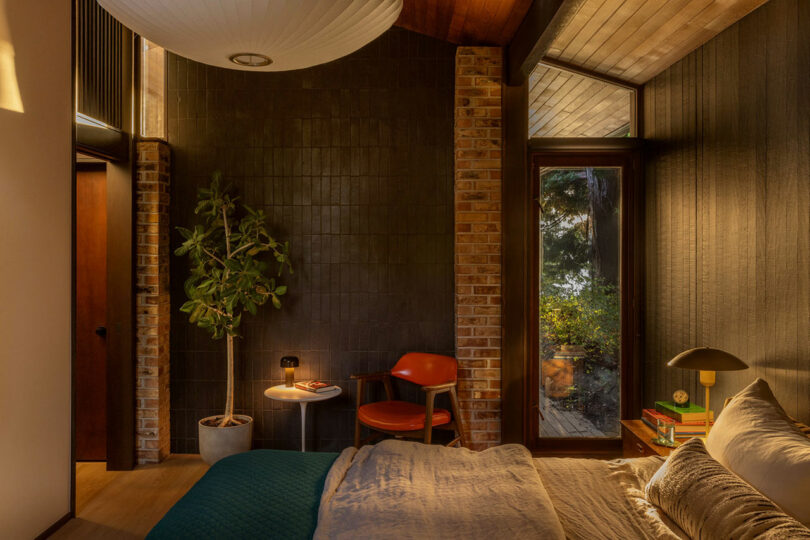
[727,206]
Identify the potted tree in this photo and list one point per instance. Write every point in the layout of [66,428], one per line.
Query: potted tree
[228,277]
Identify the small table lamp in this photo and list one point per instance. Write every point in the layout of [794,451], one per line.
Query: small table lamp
[289,363]
[707,361]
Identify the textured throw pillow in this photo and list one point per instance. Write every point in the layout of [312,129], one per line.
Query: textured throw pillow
[756,440]
[708,501]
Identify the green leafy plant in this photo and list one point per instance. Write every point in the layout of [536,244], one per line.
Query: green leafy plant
[562,320]
[228,275]
[588,318]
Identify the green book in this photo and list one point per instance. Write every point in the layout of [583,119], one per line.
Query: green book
[692,413]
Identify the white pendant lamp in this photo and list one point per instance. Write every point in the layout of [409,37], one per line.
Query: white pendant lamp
[258,35]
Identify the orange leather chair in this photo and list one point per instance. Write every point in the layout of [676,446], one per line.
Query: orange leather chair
[437,375]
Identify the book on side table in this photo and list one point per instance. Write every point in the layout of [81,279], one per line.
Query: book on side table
[315,386]
[692,413]
[683,430]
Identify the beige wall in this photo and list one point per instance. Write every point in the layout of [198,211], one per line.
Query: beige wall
[35,222]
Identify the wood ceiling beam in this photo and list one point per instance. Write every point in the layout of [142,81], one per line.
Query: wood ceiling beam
[540,26]
[577,70]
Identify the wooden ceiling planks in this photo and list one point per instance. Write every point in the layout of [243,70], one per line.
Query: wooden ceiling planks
[634,40]
[465,22]
[626,40]
[630,40]
[563,104]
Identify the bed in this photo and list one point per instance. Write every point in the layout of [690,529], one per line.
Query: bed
[398,489]
[278,494]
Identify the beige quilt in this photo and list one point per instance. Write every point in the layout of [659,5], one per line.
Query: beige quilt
[399,489]
[597,499]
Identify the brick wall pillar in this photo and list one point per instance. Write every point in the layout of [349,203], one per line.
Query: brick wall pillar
[152,301]
[478,151]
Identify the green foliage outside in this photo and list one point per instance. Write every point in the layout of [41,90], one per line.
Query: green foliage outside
[579,303]
[589,318]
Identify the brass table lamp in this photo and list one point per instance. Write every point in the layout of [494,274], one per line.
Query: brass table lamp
[289,363]
[708,361]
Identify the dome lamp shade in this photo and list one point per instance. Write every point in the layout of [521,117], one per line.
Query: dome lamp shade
[707,359]
[258,35]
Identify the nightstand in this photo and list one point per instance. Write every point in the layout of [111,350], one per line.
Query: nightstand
[637,440]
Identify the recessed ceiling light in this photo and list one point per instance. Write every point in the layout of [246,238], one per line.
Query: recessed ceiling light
[250,59]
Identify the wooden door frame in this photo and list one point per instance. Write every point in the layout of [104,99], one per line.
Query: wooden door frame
[120,400]
[626,154]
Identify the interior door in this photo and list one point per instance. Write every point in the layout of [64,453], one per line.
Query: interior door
[91,306]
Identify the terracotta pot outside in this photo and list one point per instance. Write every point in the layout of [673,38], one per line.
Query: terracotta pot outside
[557,373]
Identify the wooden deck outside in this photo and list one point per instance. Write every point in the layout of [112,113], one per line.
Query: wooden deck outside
[562,423]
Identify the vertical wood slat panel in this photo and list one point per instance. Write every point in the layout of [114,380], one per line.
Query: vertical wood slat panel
[99,64]
[803,203]
[728,191]
[699,201]
[782,155]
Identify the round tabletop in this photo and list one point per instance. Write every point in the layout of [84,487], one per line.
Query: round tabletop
[285,393]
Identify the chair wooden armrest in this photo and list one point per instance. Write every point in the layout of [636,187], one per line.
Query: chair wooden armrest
[380,375]
[432,391]
[439,388]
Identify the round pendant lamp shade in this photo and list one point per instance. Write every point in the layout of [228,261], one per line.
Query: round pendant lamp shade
[258,35]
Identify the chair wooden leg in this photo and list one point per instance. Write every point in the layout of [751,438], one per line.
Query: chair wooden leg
[431,396]
[357,426]
[462,431]
[372,437]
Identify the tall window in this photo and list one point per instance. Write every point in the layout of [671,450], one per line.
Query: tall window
[153,90]
[579,301]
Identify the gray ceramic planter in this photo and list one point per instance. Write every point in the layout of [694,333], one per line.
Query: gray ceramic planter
[219,442]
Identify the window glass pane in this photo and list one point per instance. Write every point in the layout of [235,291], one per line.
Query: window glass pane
[579,302]
[153,80]
[565,104]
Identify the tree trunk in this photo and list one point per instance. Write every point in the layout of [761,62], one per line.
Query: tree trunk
[603,192]
[228,418]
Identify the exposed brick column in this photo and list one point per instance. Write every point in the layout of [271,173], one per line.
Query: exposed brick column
[152,301]
[478,148]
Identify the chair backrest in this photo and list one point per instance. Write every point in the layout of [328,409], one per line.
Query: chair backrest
[426,369]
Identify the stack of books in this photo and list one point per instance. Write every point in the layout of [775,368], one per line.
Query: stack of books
[689,421]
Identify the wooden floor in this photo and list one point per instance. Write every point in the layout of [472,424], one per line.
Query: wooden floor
[127,504]
[564,423]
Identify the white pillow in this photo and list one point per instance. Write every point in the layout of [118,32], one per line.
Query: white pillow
[755,439]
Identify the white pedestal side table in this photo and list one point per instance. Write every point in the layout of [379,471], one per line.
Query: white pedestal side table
[302,397]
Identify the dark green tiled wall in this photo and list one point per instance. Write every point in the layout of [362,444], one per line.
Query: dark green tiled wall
[353,162]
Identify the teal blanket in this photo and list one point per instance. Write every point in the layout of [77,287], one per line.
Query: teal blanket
[258,494]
